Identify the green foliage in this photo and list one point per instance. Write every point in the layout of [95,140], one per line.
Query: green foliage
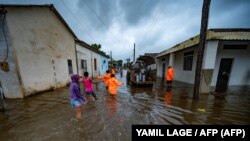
[96,46]
[119,62]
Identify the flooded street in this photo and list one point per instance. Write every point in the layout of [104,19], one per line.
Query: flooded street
[49,116]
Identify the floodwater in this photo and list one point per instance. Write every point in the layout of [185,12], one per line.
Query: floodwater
[49,116]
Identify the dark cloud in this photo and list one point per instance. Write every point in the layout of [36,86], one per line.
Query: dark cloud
[154,25]
[135,10]
[230,14]
[99,13]
[219,6]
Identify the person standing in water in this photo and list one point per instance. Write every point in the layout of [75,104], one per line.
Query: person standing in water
[169,76]
[76,98]
[113,84]
[121,72]
[105,77]
[87,83]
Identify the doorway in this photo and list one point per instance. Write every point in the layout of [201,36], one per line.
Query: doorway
[224,74]
[163,71]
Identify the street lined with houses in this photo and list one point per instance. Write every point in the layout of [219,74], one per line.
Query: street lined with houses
[48,73]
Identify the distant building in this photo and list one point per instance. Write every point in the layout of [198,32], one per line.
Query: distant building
[90,59]
[38,47]
[103,64]
[226,59]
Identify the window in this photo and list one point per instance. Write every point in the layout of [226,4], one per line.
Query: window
[188,60]
[70,66]
[83,64]
[95,65]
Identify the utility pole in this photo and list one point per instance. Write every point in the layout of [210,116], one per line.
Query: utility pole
[111,61]
[134,52]
[204,23]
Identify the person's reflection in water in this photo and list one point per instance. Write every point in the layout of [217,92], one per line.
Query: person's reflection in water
[112,105]
[168,96]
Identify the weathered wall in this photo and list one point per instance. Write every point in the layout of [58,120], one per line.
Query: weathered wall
[181,74]
[103,65]
[8,79]
[86,54]
[159,65]
[240,71]
[42,45]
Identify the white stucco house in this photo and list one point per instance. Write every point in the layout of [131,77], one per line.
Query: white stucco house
[38,48]
[226,60]
[90,59]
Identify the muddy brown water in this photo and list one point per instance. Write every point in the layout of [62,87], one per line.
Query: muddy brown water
[49,116]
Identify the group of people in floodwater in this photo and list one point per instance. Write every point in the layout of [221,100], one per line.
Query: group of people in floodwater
[77,99]
[111,83]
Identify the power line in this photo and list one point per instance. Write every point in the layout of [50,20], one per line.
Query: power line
[78,22]
[156,19]
[101,21]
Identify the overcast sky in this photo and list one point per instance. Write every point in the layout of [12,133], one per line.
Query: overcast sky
[153,25]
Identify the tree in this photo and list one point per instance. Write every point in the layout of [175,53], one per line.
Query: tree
[96,46]
[119,63]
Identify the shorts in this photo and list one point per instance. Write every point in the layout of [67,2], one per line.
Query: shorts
[76,102]
[90,93]
[169,81]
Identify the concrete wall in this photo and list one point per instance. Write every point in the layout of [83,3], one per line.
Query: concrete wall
[42,46]
[159,64]
[9,79]
[103,65]
[209,60]
[86,54]
[181,74]
[240,71]
[97,57]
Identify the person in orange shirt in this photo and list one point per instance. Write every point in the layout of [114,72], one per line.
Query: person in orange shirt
[113,84]
[113,71]
[105,77]
[169,76]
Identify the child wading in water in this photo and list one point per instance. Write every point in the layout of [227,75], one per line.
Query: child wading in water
[113,84]
[106,78]
[87,82]
[76,99]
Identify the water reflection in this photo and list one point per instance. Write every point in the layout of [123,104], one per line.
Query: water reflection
[48,116]
[112,105]
[168,96]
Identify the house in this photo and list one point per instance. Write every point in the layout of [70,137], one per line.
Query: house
[91,60]
[38,50]
[226,60]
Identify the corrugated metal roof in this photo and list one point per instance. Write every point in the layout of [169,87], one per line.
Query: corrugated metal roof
[212,34]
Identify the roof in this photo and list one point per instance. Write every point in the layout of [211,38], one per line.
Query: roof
[147,59]
[91,48]
[151,54]
[239,34]
[51,6]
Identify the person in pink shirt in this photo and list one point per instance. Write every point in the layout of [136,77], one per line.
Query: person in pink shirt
[87,83]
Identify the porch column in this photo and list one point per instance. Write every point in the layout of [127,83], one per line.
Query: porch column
[208,65]
[171,59]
